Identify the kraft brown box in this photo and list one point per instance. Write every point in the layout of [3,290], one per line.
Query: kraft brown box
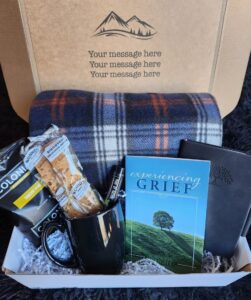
[178,46]
[13,262]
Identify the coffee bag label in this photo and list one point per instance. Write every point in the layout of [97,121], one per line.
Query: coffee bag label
[12,179]
[52,215]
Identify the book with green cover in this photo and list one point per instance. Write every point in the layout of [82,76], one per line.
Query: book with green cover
[166,203]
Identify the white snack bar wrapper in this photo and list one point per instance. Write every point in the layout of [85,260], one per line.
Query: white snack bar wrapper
[56,162]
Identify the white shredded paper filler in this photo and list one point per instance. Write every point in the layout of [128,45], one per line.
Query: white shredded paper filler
[35,260]
[144,266]
[216,264]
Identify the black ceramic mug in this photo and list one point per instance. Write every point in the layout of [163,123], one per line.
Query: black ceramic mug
[97,241]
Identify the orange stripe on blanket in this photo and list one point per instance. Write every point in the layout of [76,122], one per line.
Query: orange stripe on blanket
[39,103]
[54,104]
[62,105]
[163,106]
[165,138]
[155,105]
[109,101]
[157,139]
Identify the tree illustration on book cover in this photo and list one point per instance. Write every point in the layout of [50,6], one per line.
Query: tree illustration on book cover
[162,219]
[166,201]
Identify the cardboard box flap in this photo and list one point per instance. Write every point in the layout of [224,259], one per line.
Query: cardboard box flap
[184,46]
[12,261]
[242,255]
[126,281]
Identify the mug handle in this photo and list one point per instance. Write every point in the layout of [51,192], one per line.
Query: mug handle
[47,230]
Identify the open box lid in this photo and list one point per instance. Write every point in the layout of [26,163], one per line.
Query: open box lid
[12,263]
[198,46]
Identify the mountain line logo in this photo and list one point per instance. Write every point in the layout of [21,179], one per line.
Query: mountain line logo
[113,25]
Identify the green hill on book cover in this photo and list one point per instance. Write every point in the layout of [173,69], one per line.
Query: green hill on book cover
[166,202]
[156,243]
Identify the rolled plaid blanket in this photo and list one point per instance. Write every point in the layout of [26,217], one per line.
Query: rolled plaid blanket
[103,128]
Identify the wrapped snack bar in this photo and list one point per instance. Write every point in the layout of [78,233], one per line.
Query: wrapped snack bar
[59,168]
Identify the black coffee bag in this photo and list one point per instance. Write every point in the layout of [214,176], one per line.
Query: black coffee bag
[23,194]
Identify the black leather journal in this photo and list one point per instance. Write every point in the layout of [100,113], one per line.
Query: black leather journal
[229,195]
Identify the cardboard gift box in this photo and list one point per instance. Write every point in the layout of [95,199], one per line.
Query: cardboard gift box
[125,46]
[13,261]
[133,46]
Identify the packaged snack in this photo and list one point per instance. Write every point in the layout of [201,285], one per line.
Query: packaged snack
[115,187]
[59,168]
[23,194]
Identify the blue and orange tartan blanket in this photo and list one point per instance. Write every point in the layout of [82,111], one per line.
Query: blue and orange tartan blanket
[104,127]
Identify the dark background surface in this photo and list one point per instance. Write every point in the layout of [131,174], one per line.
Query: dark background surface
[237,135]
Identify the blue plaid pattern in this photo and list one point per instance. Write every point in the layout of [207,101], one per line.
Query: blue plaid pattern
[103,128]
